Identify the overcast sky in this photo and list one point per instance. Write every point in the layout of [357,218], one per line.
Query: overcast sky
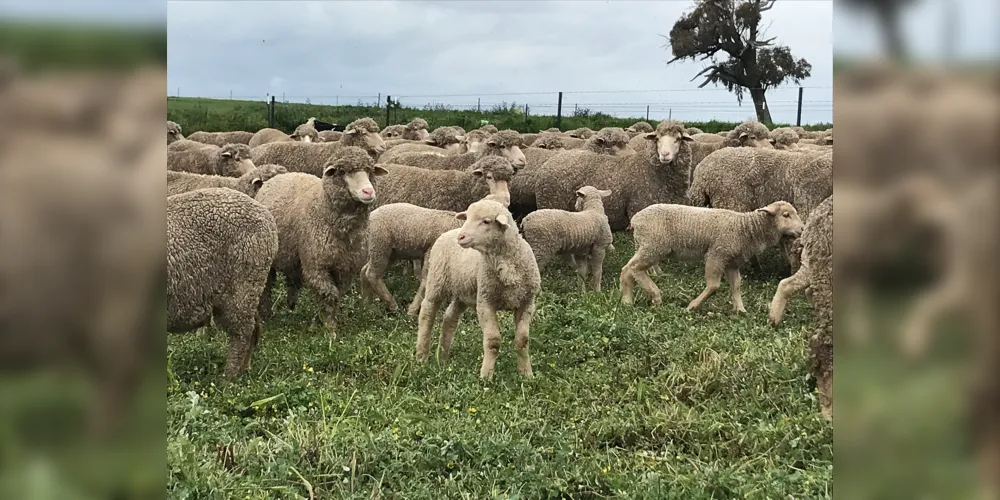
[422,50]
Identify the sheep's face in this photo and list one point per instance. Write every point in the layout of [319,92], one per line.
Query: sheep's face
[786,218]
[668,144]
[496,185]
[358,182]
[587,193]
[747,141]
[372,141]
[486,223]
[512,153]
[305,134]
[454,148]
[235,161]
[173,133]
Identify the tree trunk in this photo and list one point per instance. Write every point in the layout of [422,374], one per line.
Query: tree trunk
[760,105]
[888,20]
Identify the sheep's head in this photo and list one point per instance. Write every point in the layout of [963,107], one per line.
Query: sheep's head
[639,128]
[489,129]
[260,174]
[234,160]
[356,169]
[693,130]
[475,141]
[448,138]
[786,219]
[751,134]
[173,132]
[393,131]
[784,138]
[581,133]
[363,132]
[506,143]
[553,130]
[801,132]
[609,141]
[549,141]
[589,194]
[495,171]
[670,138]
[416,130]
[487,225]
[306,132]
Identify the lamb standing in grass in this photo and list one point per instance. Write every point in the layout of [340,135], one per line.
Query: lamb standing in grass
[231,160]
[584,234]
[321,224]
[313,158]
[726,239]
[220,246]
[222,138]
[816,273]
[445,189]
[248,183]
[506,144]
[487,264]
[657,174]
[173,132]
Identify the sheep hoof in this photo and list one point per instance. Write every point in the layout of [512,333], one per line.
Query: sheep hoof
[413,312]
[657,301]
[774,319]
[626,301]
[740,310]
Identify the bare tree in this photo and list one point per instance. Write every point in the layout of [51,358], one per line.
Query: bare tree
[752,63]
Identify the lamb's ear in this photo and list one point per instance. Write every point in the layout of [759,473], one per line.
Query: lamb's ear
[329,170]
[599,141]
[686,137]
[605,193]
[461,138]
[770,139]
[257,182]
[226,154]
[460,216]
[478,172]
[352,131]
[743,135]
[430,142]
[380,171]
[503,220]
[650,136]
[771,209]
[580,194]
[492,143]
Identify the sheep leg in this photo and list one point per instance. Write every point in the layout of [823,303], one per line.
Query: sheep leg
[293,286]
[365,287]
[734,278]
[786,288]
[452,315]
[417,268]
[414,308]
[626,280]
[595,267]
[266,308]
[522,322]
[926,310]
[240,326]
[428,312]
[326,289]
[491,339]
[713,279]
[375,280]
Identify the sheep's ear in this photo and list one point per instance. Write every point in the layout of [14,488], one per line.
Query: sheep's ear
[605,193]
[650,136]
[380,171]
[771,209]
[227,154]
[431,142]
[329,170]
[770,139]
[257,182]
[491,143]
[686,137]
[743,135]
[478,172]
[542,146]
[460,216]
[352,131]
[461,138]
[580,193]
[503,221]
[599,141]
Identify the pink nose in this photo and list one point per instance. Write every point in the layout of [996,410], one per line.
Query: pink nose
[461,237]
[367,191]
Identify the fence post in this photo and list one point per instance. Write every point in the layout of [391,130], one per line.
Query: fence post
[559,112]
[270,114]
[647,112]
[479,102]
[388,106]
[670,114]
[798,115]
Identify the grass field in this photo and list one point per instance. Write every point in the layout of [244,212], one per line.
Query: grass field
[627,402]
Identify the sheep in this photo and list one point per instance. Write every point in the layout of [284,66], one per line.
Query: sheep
[232,160]
[248,183]
[184,144]
[546,140]
[487,264]
[639,128]
[488,129]
[784,138]
[444,141]
[505,144]
[750,133]
[474,141]
[222,138]
[312,158]
[306,132]
[173,132]
[581,133]
[799,131]
[816,273]
[528,139]
[393,131]
[694,130]
[416,130]
[657,174]
[553,130]
[445,189]
[726,239]
[329,135]
[220,246]
[703,137]
[609,141]
[269,135]
[583,233]
[321,227]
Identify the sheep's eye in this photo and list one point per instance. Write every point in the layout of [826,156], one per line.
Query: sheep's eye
[787,215]
[485,221]
[490,177]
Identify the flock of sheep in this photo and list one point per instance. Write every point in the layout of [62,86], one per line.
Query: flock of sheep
[479,213]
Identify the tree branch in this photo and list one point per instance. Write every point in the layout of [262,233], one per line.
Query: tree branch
[766,5]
